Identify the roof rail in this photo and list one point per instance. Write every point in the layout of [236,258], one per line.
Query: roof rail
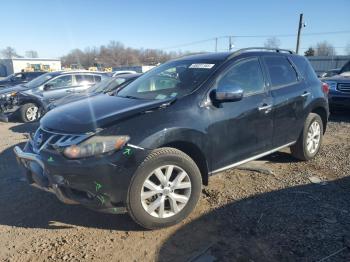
[277,50]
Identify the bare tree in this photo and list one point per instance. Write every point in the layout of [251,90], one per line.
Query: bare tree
[272,42]
[116,54]
[9,52]
[31,54]
[324,49]
[310,52]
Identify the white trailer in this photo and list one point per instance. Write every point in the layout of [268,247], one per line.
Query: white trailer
[15,65]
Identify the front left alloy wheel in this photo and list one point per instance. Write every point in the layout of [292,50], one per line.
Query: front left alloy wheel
[165,189]
[29,112]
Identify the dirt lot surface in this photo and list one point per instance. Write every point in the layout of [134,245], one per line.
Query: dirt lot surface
[288,211]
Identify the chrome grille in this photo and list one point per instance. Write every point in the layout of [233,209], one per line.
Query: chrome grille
[43,139]
[344,87]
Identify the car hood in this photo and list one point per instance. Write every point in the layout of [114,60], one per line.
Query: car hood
[16,88]
[69,99]
[91,113]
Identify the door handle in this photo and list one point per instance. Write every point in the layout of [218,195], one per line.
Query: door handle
[305,94]
[69,91]
[265,107]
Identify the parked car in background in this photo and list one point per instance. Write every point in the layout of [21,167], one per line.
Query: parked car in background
[106,86]
[19,78]
[339,88]
[19,100]
[116,73]
[330,73]
[149,148]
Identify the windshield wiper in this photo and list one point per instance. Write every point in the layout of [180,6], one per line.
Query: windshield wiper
[131,97]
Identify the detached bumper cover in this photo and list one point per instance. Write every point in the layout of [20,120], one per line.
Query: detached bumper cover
[100,183]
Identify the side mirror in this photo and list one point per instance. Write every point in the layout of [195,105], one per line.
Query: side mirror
[228,93]
[47,86]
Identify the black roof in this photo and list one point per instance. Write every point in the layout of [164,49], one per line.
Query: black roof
[207,56]
[221,56]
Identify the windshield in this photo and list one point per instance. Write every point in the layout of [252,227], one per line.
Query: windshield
[107,85]
[39,80]
[172,79]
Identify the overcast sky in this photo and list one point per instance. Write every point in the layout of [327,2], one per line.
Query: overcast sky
[55,27]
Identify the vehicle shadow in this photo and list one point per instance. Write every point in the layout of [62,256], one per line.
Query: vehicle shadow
[24,206]
[280,157]
[24,128]
[302,223]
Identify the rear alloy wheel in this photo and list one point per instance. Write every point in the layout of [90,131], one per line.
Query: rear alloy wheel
[310,140]
[313,137]
[164,189]
[29,112]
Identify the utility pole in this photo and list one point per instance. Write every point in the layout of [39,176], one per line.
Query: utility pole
[229,43]
[216,44]
[301,25]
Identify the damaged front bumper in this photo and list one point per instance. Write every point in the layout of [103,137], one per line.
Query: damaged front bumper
[99,183]
[8,108]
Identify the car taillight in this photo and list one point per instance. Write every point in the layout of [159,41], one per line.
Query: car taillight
[325,88]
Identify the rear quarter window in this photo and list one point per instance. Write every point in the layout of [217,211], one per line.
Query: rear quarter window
[280,70]
[304,67]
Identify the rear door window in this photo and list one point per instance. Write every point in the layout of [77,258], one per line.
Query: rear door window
[280,70]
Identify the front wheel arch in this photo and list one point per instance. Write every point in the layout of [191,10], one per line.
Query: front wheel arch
[196,154]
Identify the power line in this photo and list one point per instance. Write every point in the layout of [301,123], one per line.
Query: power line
[290,35]
[214,39]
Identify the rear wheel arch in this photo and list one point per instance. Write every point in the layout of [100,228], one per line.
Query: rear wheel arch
[322,112]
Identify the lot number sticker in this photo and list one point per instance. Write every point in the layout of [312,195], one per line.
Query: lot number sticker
[202,66]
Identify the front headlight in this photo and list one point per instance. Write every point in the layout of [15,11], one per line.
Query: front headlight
[8,95]
[332,84]
[96,145]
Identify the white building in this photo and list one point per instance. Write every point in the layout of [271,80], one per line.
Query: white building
[15,65]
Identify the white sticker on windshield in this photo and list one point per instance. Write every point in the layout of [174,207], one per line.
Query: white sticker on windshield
[203,66]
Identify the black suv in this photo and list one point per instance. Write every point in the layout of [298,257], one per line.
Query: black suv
[149,148]
[19,78]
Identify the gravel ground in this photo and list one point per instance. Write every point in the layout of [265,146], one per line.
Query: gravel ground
[288,211]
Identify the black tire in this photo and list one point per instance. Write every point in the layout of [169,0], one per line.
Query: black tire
[158,158]
[299,149]
[23,113]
